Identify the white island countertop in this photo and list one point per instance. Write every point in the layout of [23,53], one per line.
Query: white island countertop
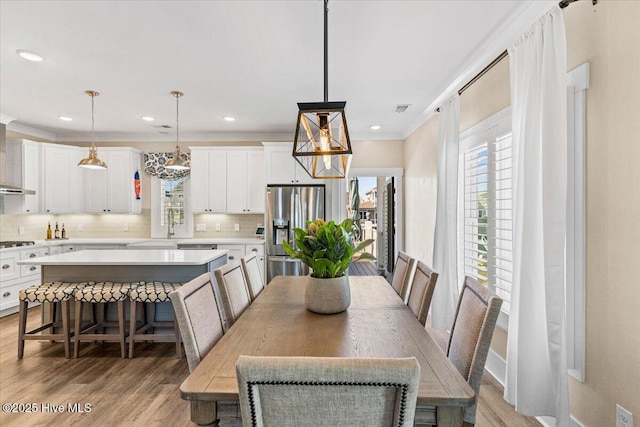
[129,257]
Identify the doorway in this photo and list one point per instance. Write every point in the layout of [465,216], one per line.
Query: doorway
[379,214]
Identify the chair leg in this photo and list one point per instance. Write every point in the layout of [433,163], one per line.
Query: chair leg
[65,328]
[77,329]
[176,329]
[121,328]
[132,327]
[22,326]
[52,317]
[151,321]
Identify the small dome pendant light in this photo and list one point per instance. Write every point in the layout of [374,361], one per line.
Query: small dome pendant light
[93,161]
[177,162]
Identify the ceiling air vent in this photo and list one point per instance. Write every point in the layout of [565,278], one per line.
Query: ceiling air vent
[162,126]
[401,108]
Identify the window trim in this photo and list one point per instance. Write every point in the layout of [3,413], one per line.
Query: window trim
[577,85]
[497,124]
[158,231]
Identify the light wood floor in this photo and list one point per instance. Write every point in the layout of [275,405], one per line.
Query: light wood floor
[142,391]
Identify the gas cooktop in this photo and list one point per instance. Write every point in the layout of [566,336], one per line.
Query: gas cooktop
[15,243]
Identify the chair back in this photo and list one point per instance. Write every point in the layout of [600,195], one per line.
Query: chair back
[234,291]
[421,291]
[327,391]
[471,333]
[199,317]
[402,274]
[252,273]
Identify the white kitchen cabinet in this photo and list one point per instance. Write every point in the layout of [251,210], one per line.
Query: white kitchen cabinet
[245,181]
[24,170]
[282,168]
[60,183]
[112,190]
[236,252]
[14,277]
[208,180]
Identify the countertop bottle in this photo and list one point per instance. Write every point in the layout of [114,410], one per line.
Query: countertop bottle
[56,232]
[49,232]
[64,233]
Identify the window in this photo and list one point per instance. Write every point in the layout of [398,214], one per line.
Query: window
[487,221]
[170,210]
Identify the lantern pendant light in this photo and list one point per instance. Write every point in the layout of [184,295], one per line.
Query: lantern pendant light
[93,161]
[321,144]
[177,162]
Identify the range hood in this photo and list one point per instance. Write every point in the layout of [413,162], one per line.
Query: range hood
[7,190]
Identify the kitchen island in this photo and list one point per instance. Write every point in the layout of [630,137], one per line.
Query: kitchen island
[128,265]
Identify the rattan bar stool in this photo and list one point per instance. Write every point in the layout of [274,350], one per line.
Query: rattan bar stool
[58,295]
[148,294]
[102,293]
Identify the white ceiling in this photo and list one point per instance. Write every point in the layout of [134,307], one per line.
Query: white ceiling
[250,59]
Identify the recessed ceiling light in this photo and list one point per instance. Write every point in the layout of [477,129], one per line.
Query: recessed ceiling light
[375,127]
[29,56]
[147,118]
[65,118]
[229,118]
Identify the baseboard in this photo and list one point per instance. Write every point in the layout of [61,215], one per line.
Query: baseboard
[497,367]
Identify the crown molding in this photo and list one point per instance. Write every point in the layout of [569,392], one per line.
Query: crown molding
[513,27]
[33,132]
[5,120]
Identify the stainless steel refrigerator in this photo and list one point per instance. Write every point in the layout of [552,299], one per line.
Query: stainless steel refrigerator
[289,207]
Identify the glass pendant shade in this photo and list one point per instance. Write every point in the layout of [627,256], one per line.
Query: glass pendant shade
[93,161]
[321,144]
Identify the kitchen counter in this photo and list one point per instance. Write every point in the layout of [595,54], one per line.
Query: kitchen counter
[128,265]
[130,257]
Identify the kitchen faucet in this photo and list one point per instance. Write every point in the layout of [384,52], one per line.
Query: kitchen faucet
[171,231]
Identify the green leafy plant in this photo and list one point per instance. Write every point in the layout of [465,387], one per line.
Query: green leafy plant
[326,247]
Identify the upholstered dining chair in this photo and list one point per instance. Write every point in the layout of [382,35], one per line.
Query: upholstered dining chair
[251,269]
[402,274]
[421,291]
[234,291]
[198,314]
[469,341]
[327,391]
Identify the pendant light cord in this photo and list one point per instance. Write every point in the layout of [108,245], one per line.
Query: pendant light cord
[326,51]
[93,120]
[177,120]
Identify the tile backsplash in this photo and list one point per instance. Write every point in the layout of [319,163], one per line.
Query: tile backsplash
[113,226]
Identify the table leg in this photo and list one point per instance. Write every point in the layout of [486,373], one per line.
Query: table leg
[203,413]
[449,416]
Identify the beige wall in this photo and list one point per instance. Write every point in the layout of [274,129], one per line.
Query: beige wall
[377,154]
[609,38]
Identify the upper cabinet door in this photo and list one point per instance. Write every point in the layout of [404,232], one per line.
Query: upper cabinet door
[24,170]
[256,181]
[280,166]
[217,181]
[199,181]
[111,190]
[60,179]
[237,182]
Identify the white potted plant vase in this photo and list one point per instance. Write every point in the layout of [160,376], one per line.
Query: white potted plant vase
[327,296]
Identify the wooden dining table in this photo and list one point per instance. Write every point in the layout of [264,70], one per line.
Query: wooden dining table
[376,324]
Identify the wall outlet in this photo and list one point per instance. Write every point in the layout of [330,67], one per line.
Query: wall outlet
[201,227]
[218,227]
[236,227]
[624,418]
[80,227]
[125,227]
[21,229]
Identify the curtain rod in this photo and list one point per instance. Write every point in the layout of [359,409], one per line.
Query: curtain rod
[562,4]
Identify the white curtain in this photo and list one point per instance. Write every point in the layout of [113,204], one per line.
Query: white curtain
[445,245]
[536,381]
